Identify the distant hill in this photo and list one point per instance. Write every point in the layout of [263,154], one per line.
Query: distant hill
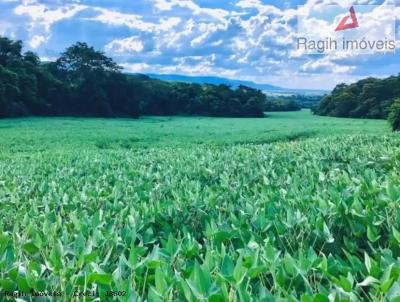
[267,88]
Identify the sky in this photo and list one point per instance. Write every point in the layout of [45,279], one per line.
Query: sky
[239,39]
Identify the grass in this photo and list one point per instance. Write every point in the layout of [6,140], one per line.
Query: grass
[288,208]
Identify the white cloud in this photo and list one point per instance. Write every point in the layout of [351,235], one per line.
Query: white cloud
[37,40]
[202,68]
[167,5]
[41,14]
[136,67]
[42,18]
[247,39]
[117,18]
[131,44]
[170,23]
[325,65]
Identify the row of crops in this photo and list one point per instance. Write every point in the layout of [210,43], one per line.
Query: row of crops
[315,220]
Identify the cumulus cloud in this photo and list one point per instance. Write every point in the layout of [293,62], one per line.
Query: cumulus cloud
[247,39]
[122,19]
[326,65]
[168,5]
[40,18]
[36,41]
[131,44]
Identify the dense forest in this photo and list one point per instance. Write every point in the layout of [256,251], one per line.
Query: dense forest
[177,98]
[85,82]
[368,98]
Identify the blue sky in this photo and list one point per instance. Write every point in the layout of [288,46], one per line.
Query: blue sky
[242,39]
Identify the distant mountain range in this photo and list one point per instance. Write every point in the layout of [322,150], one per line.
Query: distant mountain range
[267,88]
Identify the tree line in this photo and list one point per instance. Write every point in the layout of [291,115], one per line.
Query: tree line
[275,104]
[177,98]
[368,98]
[293,102]
[85,82]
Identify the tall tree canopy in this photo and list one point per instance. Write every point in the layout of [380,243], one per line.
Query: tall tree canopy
[10,52]
[85,82]
[82,82]
[82,58]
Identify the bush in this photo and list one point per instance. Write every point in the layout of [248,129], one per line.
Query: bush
[394,115]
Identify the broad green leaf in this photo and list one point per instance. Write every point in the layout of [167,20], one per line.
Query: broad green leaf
[30,247]
[161,284]
[227,267]
[368,281]
[4,240]
[367,262]
[254,272]
[394,292]
[104,279]
[372,234]
[396,234]
[321,298]
[345,284]
[240,271]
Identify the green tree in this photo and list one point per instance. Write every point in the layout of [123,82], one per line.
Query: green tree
[368,98]
[98,88]
[10,52]
[85,82]
[394,115]
[82,58]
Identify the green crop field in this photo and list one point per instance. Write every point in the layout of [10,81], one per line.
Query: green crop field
[46,134]
[292,207]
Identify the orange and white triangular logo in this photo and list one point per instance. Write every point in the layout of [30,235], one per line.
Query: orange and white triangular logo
[343,25]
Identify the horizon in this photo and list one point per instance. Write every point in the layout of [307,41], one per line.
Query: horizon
[246,40]
[259,83]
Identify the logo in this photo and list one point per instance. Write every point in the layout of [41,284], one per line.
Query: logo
[362,29]
[343,25]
